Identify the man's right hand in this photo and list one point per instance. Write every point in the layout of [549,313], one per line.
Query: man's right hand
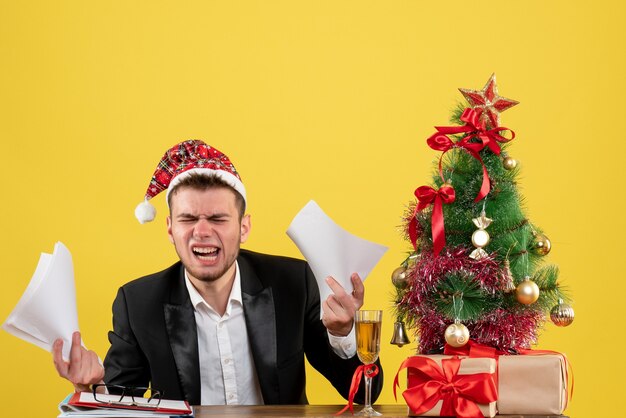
[83,369]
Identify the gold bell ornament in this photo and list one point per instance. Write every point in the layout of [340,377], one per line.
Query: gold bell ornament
[527,292]
[562,314]
[399,336]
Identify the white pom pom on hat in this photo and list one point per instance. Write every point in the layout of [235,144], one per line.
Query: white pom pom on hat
[180,161]
[145,212]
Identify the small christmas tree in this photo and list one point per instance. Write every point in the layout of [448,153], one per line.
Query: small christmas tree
[477,267]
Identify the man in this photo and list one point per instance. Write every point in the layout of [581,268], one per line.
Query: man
[223,325]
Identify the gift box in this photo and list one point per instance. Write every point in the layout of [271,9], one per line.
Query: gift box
[532,384]
[440,385]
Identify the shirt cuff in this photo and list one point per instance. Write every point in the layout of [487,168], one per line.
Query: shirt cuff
[344,347]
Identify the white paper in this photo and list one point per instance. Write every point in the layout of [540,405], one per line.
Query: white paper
[164,404]
[331,250]
[74,411]
[47,309]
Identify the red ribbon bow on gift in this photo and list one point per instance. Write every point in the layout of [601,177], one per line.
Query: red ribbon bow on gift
[460,393]
[474,349]
[425,196]
[491,138]
[370,370]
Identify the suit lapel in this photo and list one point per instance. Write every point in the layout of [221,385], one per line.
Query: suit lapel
[181,328]
[258,303]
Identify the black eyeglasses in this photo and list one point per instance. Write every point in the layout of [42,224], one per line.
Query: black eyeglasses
[127,396]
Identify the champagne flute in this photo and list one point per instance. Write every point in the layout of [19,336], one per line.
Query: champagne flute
[368,324]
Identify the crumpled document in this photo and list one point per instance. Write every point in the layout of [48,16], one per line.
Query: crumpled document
[330,250]
[47,309]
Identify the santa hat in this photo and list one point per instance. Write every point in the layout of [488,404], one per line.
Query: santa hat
[182,160]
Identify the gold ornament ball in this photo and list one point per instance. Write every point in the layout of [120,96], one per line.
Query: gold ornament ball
[527,292]
[457,335]
[398,278]
[542,245]
[509,163]
[562,315]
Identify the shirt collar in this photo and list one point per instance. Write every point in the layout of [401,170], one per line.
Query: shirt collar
[234,297]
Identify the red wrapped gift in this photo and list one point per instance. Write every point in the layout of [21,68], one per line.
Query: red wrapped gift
[440,385]
[532,384]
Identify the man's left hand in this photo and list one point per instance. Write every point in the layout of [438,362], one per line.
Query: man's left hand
[340,307]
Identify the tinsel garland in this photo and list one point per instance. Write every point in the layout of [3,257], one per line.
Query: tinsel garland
[431,269]
[506,330]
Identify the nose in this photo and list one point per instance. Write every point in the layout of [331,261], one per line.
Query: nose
[202,229]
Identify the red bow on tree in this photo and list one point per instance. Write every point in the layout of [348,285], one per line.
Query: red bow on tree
[460,393]
[489,137]
[425,196]
[476,129]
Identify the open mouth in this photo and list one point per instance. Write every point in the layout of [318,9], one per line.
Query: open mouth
[205,253]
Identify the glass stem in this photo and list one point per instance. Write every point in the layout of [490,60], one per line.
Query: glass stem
[368,391]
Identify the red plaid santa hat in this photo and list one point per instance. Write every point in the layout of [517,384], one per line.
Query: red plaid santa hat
[180,161]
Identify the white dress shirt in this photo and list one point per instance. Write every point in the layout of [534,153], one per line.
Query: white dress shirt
[227,372]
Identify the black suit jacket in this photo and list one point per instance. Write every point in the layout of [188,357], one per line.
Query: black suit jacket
[154,337]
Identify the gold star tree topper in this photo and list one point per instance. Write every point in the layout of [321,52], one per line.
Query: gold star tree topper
[489,102]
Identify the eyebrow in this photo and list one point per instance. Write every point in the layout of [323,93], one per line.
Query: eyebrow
[210,217]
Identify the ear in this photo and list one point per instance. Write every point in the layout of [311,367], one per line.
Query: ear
[245,228]
[169,229]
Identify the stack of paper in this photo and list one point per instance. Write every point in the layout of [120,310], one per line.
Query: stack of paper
[47,309]
[84,405]
[331,250]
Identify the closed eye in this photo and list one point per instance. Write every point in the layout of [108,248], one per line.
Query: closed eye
[217,218]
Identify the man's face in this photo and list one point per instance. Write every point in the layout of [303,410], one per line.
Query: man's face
[205,229]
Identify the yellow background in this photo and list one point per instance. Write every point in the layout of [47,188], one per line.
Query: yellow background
[324,100]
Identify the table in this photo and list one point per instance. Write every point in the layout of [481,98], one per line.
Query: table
[328,411]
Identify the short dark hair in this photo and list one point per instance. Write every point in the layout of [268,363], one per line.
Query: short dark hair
[202,181]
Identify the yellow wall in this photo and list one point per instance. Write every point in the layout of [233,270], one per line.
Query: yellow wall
[324,100]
